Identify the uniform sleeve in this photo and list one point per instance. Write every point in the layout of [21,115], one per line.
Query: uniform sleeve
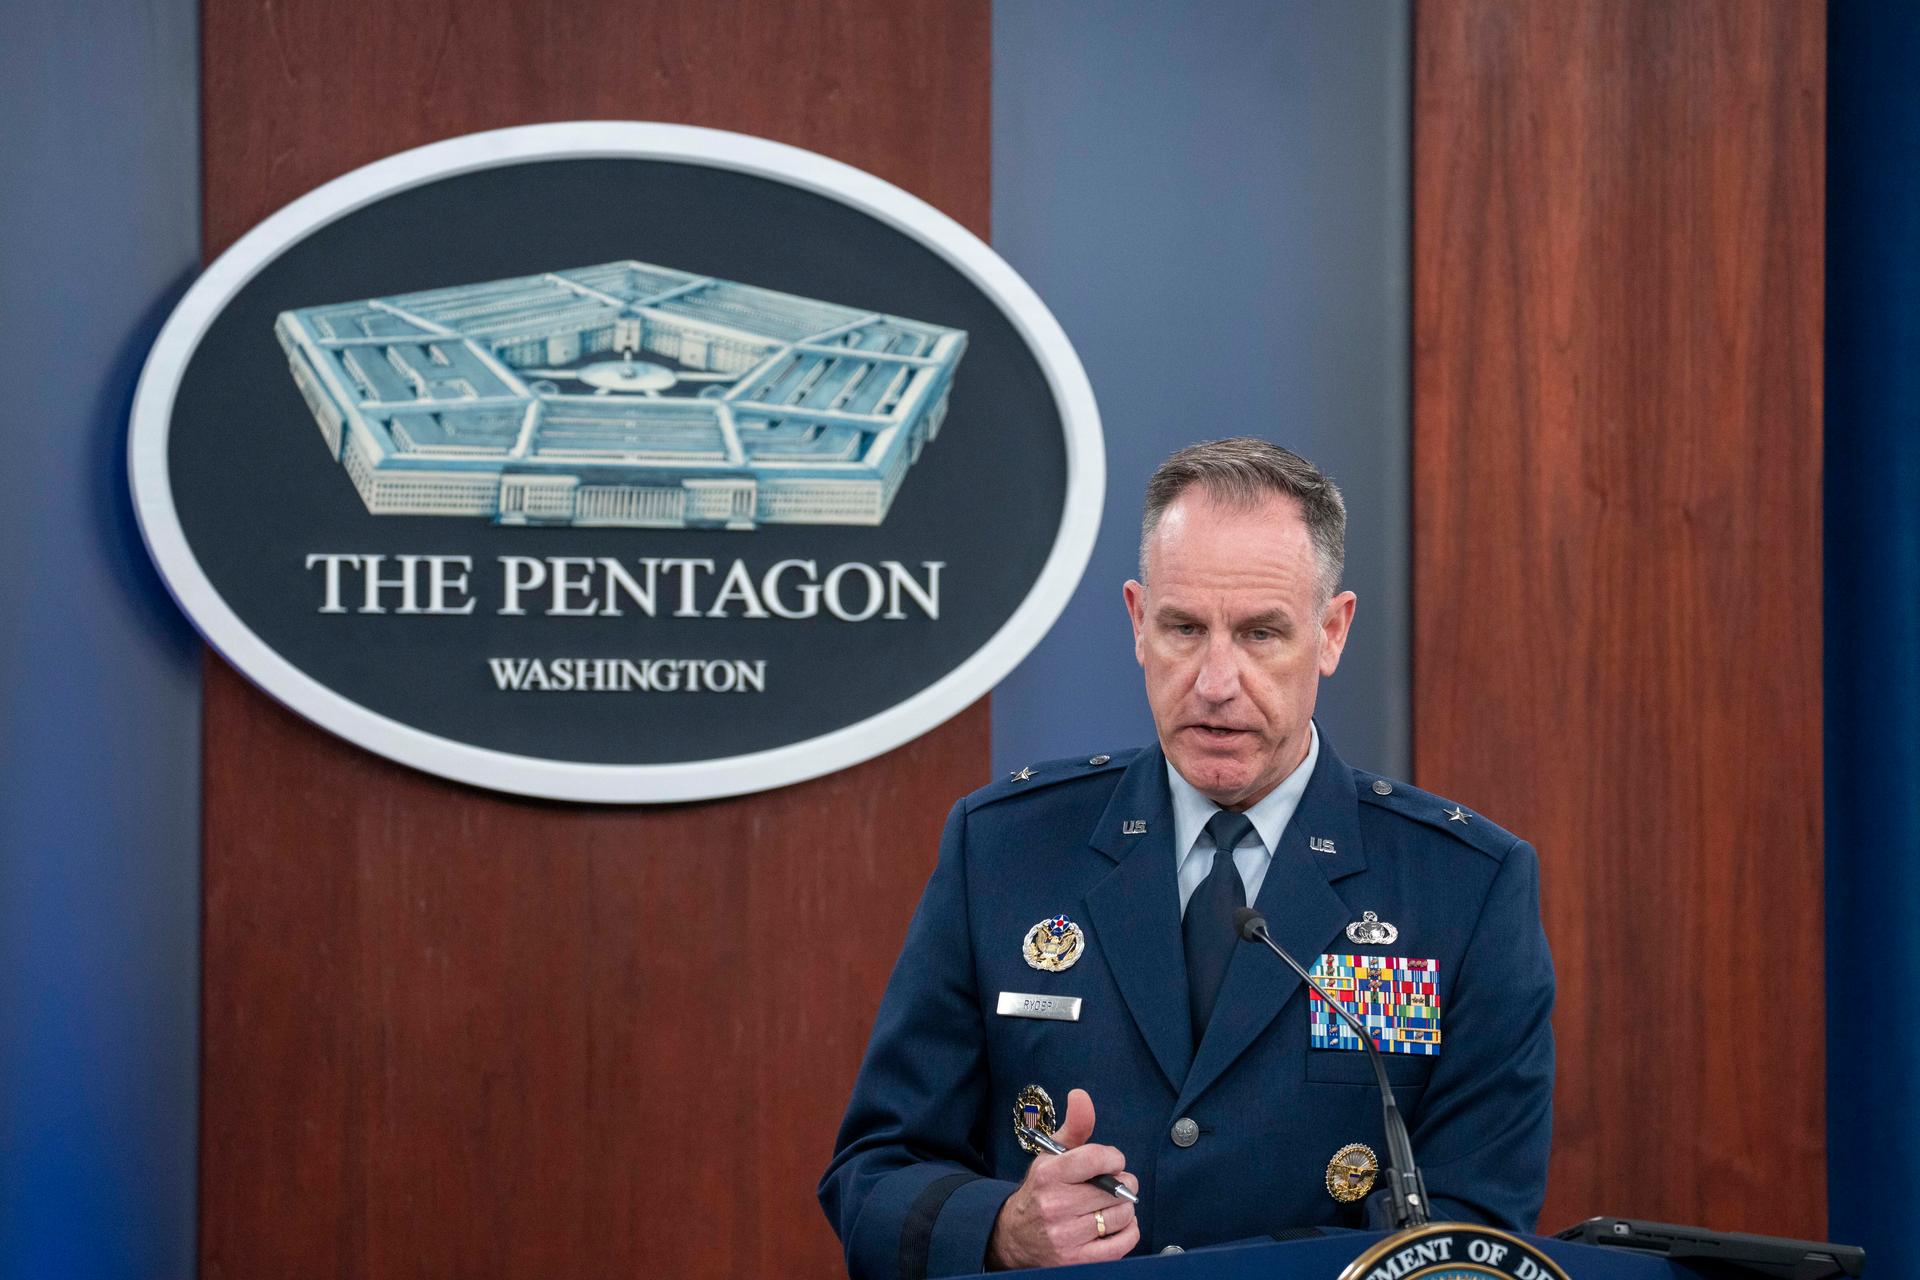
[1481,1131]
[907,1190]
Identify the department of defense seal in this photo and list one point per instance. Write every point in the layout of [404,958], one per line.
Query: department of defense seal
[1054,945]
[1351,1172]
[1452,1251]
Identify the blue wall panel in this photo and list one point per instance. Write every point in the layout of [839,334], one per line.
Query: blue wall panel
[1873,628]
[1213,200]
[99,675]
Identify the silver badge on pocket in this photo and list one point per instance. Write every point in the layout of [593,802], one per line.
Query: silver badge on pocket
[1371,931]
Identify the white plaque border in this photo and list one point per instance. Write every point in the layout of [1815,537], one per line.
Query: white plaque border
[572,780]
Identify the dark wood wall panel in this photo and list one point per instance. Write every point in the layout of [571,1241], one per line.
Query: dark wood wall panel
[300,91]
[1617,440]
[451,1033]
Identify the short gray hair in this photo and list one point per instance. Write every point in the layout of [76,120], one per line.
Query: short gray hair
[1242,471]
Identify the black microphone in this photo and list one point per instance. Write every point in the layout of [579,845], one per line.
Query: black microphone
[1409,1189]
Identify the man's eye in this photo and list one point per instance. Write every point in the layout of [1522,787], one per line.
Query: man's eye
[1260,634]
[1185,629]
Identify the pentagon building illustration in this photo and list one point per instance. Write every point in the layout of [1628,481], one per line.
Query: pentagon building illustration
[622,394]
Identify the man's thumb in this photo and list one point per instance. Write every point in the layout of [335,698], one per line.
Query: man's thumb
[1079,1124]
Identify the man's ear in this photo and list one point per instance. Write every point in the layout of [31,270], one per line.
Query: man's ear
[1334,625]
[1135,594]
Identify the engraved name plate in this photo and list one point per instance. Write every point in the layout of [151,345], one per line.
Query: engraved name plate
[1018,1004]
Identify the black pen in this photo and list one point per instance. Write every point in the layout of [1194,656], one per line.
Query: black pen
[1105,1181]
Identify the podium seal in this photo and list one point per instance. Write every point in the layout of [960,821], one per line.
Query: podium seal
[1453,1251]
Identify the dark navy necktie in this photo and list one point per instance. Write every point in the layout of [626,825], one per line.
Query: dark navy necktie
[1208,928]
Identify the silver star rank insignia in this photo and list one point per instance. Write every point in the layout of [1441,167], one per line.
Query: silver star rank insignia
[1025,772]
[1457,814]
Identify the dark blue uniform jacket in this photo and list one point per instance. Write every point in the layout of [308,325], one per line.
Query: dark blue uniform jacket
[926,1154]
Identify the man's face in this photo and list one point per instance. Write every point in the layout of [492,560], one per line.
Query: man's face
[1231,634]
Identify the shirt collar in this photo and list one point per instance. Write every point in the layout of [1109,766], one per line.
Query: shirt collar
[1270,817]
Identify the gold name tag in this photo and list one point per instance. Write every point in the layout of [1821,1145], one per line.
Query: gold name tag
[1018,1004]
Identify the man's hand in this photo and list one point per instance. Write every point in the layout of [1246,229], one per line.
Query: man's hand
[1050,1219]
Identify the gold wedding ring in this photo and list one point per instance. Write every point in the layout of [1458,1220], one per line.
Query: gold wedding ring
[1099,1225]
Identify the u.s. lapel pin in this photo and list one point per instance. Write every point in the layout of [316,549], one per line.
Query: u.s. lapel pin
[1320,844]
[1134,827]
[1371,931]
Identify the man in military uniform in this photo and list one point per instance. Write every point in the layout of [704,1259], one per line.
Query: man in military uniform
[1234,1104]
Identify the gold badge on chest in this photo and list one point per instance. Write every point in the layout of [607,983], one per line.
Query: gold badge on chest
[1351,1172]
[1054,945]
[1033,1109]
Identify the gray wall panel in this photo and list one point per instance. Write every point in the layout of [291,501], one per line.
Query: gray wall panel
[1213,199]
[99,674]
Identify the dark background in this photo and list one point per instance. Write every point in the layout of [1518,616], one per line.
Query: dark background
[257,492]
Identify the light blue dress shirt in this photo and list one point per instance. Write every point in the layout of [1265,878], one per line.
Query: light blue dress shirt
[1193,849]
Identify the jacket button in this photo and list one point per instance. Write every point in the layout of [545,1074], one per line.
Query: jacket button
[1381,787]
[1173,1248]
[1185,1132]
[1099,759]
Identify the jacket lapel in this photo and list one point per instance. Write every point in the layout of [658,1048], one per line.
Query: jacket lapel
[1135,912]
[1303,914]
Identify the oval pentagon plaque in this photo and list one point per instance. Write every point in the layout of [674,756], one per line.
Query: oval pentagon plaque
[617,462]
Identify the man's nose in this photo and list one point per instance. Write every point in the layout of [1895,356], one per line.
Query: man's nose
[1219,678]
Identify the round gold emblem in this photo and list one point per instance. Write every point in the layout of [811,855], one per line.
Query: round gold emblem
[1469,1253]
[1351,1172]
[1032,1109]
[1054,945]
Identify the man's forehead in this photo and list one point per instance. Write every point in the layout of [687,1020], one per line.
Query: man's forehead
[1251,611]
